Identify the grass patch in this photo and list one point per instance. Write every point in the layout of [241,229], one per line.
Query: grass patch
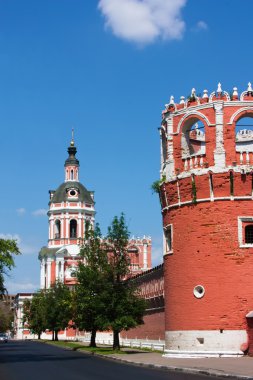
[78,346]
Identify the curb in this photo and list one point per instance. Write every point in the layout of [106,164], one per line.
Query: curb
[193,371]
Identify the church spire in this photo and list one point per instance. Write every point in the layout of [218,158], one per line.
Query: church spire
[71,163]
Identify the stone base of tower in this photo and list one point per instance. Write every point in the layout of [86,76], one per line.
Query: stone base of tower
[205,343]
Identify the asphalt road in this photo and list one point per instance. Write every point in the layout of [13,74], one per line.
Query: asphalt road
[24,360]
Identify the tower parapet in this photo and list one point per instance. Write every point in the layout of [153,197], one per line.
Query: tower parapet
[206,192]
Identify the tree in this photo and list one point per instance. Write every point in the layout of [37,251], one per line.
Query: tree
[91,290]
[8,248]
[125,308]
[35,313]
[6,316]
[58,308]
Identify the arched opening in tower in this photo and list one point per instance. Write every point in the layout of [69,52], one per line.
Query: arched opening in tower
[73,228]
[57,234]
[193,138]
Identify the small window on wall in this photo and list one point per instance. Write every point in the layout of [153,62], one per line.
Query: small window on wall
[245,231]
[168,248]
[249,234]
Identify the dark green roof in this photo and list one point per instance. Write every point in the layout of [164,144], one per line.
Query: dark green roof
[45,251]
[72,160]
[61,195]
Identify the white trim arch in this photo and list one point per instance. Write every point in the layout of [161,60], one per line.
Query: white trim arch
[192,114]
[241,110]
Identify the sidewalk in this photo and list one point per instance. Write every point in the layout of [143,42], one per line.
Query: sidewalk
[241,368]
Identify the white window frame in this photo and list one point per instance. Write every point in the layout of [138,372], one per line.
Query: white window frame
[241,231]
[166,250]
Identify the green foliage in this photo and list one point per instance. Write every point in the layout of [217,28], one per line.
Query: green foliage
[90,296]
[117,241]
[156,185]
[6,316]
[125,309]
[35,313]
[58,308]
[8,248]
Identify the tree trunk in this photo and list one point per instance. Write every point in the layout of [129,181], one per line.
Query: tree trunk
[93,338]
[116,345]
[56,335]
[39,335]
[52,334]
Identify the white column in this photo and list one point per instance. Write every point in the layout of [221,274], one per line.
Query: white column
[67,226]
[61,272]
[42,273]
[170,167]
[48,274]
[56,269]
[51,228]
[62,225]
[219,152]
[145,256]
[79,225]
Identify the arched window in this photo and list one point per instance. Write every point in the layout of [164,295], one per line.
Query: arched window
[249,234]
[73,228]
[57,234]
[244,134]
[72,174]
[193,138]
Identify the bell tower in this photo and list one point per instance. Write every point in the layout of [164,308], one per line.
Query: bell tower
[71,205]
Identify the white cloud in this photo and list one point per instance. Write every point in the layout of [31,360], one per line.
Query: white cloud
[21,211]
[25,248]
[143,21]
[201,25]
[11,237]
[40,212]
[20,287]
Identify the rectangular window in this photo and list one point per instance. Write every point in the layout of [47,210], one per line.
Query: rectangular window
[168,239]
[245,231]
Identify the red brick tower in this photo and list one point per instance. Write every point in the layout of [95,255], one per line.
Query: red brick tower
[206,193]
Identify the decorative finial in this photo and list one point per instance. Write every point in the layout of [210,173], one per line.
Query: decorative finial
[235,92]
[72,143]
[249,87]
[193,92]
[172,100]
[182,100]
[219,89]
[205,94]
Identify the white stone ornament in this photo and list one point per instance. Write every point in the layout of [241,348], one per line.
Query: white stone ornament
[249,89]
[219,89]
[172,100]
[182,100]
[205,94]
[235,92]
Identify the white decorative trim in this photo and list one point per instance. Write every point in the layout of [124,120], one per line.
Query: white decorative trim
[201,200]
[165,244]
[242,219]
[192,113]
[208,343]
[238,112]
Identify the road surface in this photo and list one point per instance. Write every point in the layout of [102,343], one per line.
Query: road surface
[24,360]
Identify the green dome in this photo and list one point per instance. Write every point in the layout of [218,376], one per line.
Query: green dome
[62,193]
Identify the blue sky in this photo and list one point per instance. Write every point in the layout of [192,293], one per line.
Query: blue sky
[105,68]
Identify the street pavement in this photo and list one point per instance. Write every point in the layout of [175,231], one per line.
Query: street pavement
[24,360]
[241,368]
